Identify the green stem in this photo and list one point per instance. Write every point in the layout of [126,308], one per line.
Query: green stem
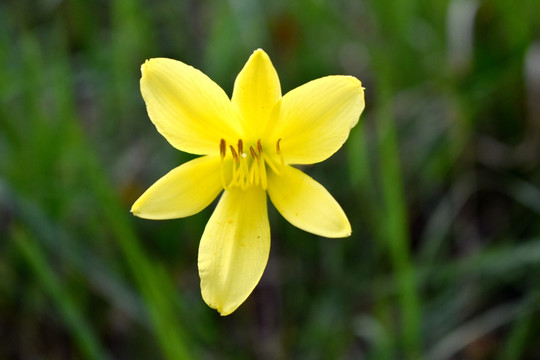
[153,282]
[82,334]
[395,219]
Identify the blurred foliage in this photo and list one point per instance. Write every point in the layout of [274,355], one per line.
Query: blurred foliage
[441,182]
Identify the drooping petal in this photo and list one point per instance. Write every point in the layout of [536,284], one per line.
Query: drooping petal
[182,192]
[234,248]
[307,204]
[314,120]
[256,90]
[190,110]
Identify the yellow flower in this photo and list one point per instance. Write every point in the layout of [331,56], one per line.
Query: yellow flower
[248,144]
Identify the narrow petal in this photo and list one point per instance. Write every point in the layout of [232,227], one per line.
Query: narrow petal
[234,249]
[256,90]
[182,192]
[314,120]
[307,204]
[191,111]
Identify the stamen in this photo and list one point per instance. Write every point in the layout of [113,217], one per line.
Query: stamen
[247,172]
[234,154]
[253,175]
[244,176]
[278,150]
[253,153]
[225,187]
[262,173]
[234,176]
[223,152]
[222,148]
[240,147]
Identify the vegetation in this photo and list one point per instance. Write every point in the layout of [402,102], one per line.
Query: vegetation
[440,181]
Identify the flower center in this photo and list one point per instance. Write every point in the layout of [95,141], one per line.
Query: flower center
[249,167]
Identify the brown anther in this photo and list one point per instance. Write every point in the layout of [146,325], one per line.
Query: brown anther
[278,150]
[222,148]
[259,146]
[240,147]
[253,153]
[234,154]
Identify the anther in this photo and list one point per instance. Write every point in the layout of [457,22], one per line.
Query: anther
[222,148]
[253,153]
[259,146]
[234,154]
[278,150]
[240,147]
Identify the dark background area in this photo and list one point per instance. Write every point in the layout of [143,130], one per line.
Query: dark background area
[440,180]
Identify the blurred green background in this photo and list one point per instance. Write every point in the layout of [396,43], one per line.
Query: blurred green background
[440,180]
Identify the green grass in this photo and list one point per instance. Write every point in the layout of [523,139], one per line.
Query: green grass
[440,181]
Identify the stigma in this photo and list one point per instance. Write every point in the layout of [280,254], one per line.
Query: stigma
[248,164]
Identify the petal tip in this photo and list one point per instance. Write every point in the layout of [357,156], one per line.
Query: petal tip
[144,66]
[348,229]
[220,308]
[152,64]
[259,54]
[225,313]
[347,232]
[134,211]
[259,51]
[355,81]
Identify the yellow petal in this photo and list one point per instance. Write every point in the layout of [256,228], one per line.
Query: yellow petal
[314,119]
[182,192]
[234,248]
[191,111]
[256,90]
[307,204]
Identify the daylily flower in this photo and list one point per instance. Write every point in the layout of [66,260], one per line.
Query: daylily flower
[248,144]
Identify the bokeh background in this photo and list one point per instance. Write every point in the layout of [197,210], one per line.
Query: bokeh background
[440,180]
